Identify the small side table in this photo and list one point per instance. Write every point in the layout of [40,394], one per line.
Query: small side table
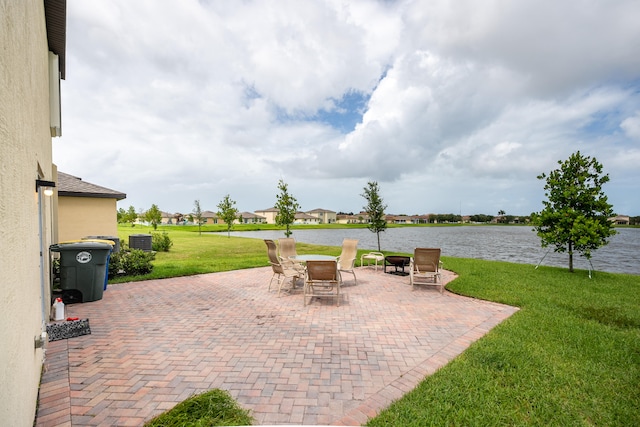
[375,256]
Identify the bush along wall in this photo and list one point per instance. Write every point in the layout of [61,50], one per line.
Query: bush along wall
[131,262]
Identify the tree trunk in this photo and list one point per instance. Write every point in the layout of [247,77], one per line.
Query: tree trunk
[378,234]
[570,256]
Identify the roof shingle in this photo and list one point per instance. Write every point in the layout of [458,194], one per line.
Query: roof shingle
[69,185]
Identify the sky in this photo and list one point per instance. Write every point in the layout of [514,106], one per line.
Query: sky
[450,106]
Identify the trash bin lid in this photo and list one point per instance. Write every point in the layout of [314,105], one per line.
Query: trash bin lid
[107,241]
[74,245]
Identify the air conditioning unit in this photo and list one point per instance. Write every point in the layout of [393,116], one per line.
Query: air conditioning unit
[140,241]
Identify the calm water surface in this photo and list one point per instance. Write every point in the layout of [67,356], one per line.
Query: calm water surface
[512,244]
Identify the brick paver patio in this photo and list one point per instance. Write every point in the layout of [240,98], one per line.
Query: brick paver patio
[155,343]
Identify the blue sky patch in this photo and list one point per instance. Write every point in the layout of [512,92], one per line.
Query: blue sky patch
[347,111]
[343,116]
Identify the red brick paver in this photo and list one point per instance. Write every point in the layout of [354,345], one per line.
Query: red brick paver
[155,343]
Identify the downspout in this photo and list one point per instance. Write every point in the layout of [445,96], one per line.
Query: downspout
[42,339]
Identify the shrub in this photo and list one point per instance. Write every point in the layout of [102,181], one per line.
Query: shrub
[137,262]
[114,264]
[160,242]
[132,262]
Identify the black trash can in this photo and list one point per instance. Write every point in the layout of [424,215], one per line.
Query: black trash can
[114,239]
[115,247]
[83,270]
[140,241]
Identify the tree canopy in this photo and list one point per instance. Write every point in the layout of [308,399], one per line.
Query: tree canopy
[197,216]
[375,209]
[153,216]
[228,212]
[127,217]
[287,206]
[576,213]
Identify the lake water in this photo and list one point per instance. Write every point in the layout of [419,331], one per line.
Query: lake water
[517,244]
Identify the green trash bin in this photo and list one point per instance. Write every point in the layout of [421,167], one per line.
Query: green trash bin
[83,270]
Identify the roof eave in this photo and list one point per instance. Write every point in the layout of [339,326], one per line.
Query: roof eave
[117,196]
[55,12]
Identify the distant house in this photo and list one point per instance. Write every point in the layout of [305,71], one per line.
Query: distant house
[620,220]
[209,217]
[178,218]
[172,218]
[251,218]
[419,219]
[167,218]
[398,219]
[305,218]
[325,216]
[407,219]
[360,218]
[349,219]
[85,209]
[269,214]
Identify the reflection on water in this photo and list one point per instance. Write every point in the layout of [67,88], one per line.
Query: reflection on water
[513,244]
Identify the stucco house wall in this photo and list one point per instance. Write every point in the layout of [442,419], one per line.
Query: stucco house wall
[25,155]
[621,220]
[269,215]
[167,218]
[250,218]
[86,209]
[304,218]
[80,217]
[210,217]
[325,216]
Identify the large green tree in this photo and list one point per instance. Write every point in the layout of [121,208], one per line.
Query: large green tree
[228,212]
[375,209]
[127,217]
[287,206]
[153,216]
[576,213]
[131,216]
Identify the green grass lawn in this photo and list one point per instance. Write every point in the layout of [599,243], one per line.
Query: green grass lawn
[213,408]
[194,253]
[570,356]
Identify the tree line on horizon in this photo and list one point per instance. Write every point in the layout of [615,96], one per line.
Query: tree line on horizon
[576,214]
